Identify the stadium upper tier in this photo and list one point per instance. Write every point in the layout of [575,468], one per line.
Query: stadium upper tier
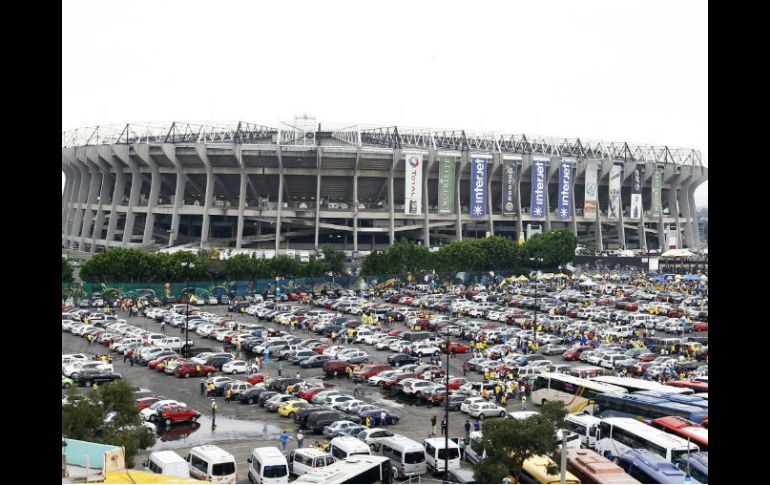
[244,185]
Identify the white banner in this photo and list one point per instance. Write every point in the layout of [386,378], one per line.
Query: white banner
[589,205]
[413,184]
[614,211]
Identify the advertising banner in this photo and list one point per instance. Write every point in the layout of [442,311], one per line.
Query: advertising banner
[657,179]
[537,201]
[589,206]
[413,184]
[509,185]
[565,190]
[478,205]
[615,209]
[636,194]
[446,186]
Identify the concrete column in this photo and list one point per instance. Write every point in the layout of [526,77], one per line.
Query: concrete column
[391,200]
[621,227]
[69,214]
[280,201]
[355,201]
[464,161]
[200,149]
[684,204]
[519,221]
[673,209]
[694,216]
[143,150]
[426,199]
[122,152]
[105,152]
[169,149]
[85,182]
[93,191]
[241,195]
[497,161]
[107,183]
[68,182]
[319,163]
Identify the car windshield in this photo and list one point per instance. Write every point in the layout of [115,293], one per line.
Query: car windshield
[274,471]
[223,469]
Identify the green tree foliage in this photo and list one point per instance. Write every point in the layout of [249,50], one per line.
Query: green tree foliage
[335,259]
[509,442]
[555,412]
[83,418]
[552,249]
[66,270]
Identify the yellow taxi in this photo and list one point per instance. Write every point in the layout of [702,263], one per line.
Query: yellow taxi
[289,408]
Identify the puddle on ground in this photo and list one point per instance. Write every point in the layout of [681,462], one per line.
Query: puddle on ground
[185,435]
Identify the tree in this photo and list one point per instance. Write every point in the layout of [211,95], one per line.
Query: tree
[66,270]
[335,259]
[508,443]
[552,249]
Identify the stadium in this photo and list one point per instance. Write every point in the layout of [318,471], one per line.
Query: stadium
[302,186]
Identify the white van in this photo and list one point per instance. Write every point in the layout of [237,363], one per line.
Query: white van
[342,447]
[624,331]
[406,455]
[268,465]
[585,426]
[173,343]
[167,463]
[303,460]
[435,452]
[212,464]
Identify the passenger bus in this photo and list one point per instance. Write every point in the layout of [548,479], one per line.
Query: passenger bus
[591,467]
[647,467]
[619,435]
[697,386]
[353,469]
[684,428]
[535,470]
[689,399]
[632,384]
[576,393]
[645,407]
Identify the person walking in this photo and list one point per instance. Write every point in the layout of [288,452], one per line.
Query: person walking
[467,430]
[476,425]
[203,385]
[368,421]
[228,395]
[213,412]
[433,425]
[444,426]
[284,440]
[300,437]
[462,450]
[280,368]
[383,419]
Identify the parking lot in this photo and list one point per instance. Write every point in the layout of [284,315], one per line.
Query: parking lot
[239,427]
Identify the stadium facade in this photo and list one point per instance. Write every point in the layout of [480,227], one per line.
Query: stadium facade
[242,185]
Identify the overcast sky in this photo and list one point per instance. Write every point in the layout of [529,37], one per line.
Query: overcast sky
[617,71]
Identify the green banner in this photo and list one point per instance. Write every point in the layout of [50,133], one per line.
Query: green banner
[446,185]
[657,178]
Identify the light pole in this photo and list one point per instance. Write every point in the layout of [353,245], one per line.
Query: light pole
[186,346]
[446,413]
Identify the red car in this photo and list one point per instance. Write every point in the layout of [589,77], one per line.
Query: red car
[308,394]
[388,383]
[320,349]
[145,402]
[154,363]
[456,382]
[369,371]
[191,369]
[574,353]
[255,378]
[648,357]
[700,327]
[459,347]
[176,413]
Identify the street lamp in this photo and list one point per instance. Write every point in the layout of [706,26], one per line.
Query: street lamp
[187,265]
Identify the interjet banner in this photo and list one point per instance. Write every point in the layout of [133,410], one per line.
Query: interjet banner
[614,211]
[509,183]
[446,186]
[413,184]
[589,206]
[565,190]
[636,194]
[478,187]
[537,201]
[657,179]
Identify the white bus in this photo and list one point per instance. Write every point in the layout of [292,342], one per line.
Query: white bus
[619,435]
[632,384]
[353,469]
[576,393]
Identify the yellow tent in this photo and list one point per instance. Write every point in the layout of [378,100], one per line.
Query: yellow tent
[562,275]
[136,476]
[522,278]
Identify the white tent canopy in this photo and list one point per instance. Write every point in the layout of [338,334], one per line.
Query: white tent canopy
[677,253]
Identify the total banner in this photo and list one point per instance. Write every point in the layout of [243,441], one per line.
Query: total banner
[589,206]
[413,184]
[657,178]
[615,173]
[478,187]
[565,189]
[636,194]
[446,184]
[537,201]
[509,184]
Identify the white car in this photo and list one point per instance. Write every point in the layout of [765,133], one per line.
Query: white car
[320,397]
[235,367]
[466,405]
[398,345]
[82,366]
[337,400]
[483,410]
[352,406]
[382,376]
[336,426]
[334,350]
[385,343]
[428,349]
[221,335]
[148,412]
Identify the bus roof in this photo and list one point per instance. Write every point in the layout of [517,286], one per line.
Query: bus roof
[537,466]
[661,437]
[598,468]
[667,471]
[634,384]
[579,381]
[339,471]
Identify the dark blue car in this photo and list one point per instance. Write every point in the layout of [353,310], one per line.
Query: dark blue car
[390,418]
